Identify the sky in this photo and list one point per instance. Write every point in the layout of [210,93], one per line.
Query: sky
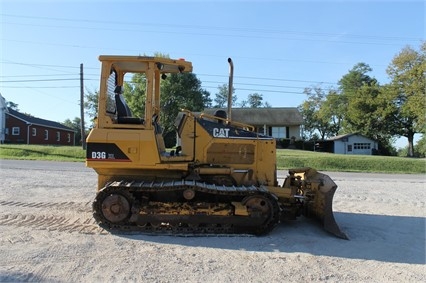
[278,47]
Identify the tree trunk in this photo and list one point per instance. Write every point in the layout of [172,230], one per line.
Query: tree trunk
[410,137]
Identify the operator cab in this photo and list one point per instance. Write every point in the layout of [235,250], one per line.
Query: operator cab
[127,71]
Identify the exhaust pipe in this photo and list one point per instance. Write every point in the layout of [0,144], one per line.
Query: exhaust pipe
[231,78]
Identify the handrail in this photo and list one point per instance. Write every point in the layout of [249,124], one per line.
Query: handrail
[227,121]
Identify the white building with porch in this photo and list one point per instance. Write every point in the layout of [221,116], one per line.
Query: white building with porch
[280,122]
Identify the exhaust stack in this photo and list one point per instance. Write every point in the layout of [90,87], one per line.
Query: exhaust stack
[231,78]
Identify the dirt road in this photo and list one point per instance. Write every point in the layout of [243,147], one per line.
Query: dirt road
[47,234]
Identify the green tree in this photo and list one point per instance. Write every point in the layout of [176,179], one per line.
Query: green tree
[315,119]
[221,98]
[12,105]
[349,85]
[135,95]
[134,91]
[244,104]
[255,100]
[363,105]
[407,94]
[356,78]
[333,110]
[75,124]
[180,91]
[91,103]
[421,146]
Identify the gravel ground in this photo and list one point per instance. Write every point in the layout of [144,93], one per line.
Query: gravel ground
[47,234]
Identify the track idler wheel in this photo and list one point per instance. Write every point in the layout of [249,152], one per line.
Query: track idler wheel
[258,206]
[263,207]
[112,207]
[115,208]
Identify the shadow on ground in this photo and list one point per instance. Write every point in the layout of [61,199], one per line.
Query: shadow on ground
[384,238]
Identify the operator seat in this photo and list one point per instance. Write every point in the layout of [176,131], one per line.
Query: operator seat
[124,114]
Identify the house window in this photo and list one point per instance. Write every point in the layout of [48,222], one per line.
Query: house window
[69,137]
[58,136]
[362,146]
[46,135]
[349,148]
[34,131]
[279,132]
[15,131]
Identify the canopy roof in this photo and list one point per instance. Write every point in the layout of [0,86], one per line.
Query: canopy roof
[138,64]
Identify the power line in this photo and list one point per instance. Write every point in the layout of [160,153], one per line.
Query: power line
[263,91]
[43,65]
[219,28]
[261,85]
[270,79]
[40,87]
[197,74]
[26,76]
[40,80]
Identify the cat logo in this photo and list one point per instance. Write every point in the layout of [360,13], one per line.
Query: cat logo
[221,132]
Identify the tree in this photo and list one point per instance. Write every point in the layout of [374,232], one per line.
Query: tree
[12,105]
[255,100]
[349,85]
[221,98]
[134,91]
[75,124]
[135,95]
[356,78]
[406,94]
[363,104]
[333,109]
[244,104]
[421,146]
[180,91]
[314,118]
[91,103]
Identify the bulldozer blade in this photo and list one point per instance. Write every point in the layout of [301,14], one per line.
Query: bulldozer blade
[321,206]
[328,221]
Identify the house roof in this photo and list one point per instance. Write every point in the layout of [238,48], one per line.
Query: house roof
[280,116]
[38,121]
[339,137]
[336,138]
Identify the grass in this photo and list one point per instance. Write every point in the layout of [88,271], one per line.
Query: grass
[42,152]
[349,163]
[285,159]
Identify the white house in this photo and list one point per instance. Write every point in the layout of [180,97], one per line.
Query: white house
[3,111]
[349,144]
[277,122]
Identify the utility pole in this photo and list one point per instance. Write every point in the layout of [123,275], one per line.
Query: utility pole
[83,134]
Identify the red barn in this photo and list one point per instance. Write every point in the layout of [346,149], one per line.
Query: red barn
[22,128]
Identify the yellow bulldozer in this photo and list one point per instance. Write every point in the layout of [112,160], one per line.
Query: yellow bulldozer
[221,179]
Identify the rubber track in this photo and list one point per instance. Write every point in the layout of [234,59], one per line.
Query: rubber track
[134,187]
